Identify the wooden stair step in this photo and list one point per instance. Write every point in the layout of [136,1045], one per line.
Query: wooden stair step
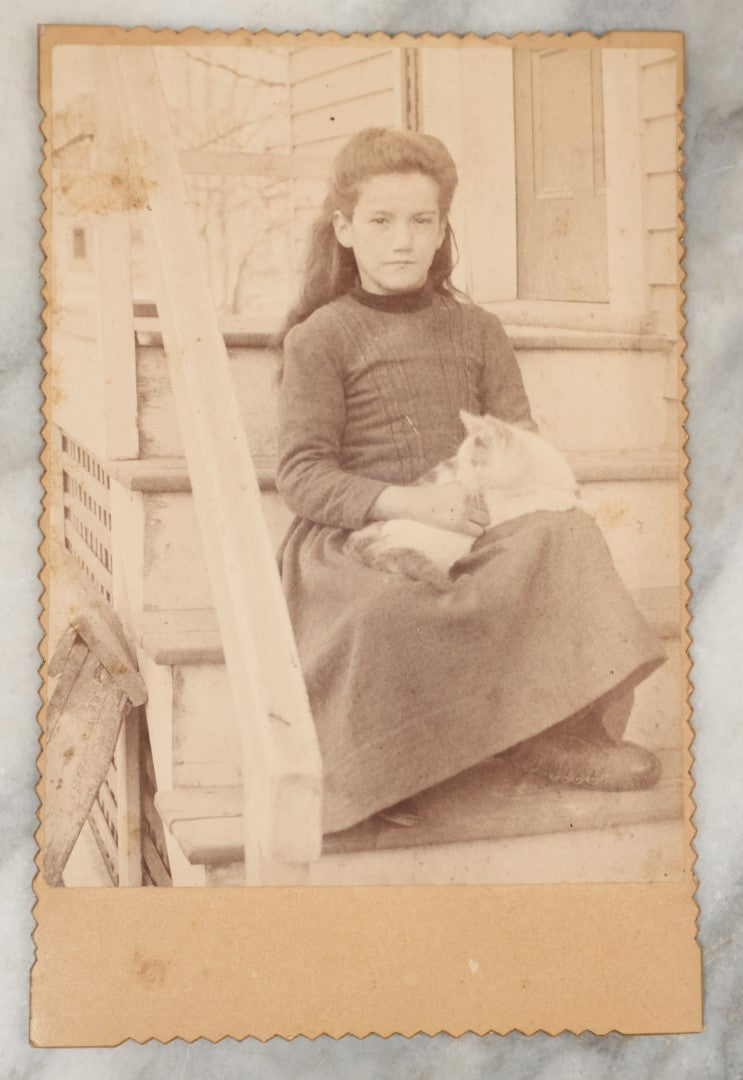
[185,636]
[493,801]
[191,635]
[148,331]
[164,474]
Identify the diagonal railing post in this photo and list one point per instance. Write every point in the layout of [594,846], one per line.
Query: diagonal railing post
[282,776]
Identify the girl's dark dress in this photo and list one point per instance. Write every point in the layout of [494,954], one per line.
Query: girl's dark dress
[409,686]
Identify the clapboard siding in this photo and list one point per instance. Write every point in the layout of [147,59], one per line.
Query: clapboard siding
[657,86]
[660,152]
[343,117]
[365,75]
[333,93]
[660,161]
[660,201]
[77,388]
[313,61]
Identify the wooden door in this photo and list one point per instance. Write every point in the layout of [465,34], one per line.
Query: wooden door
[562,249]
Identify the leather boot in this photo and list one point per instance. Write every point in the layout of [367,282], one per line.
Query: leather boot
[579,753]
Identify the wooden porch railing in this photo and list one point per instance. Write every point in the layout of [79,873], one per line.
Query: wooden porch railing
[282,776]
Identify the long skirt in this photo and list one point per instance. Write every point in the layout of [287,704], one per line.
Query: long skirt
[409,686]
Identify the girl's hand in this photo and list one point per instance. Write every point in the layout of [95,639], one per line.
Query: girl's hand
[447,506]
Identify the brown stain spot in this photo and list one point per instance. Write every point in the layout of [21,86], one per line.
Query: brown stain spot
[150,970]
[69,753]
[613,514]
[57,394]
[104,191]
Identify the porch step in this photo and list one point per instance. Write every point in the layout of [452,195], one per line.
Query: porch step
[191,635]
[633,496]
[169,474]
[148,333]
[493,801]
[198,745]
[158,474]
[637,373]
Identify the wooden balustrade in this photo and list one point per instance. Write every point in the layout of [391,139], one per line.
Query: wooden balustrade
[281,760]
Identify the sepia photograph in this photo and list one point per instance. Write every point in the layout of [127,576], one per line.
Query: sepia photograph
[365,556]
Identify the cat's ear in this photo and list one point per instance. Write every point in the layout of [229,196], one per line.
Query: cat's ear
[470,421]
[498,428]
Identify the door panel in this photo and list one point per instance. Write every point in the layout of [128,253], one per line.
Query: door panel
[562,248]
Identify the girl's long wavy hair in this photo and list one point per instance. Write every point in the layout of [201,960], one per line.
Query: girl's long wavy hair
[330,269]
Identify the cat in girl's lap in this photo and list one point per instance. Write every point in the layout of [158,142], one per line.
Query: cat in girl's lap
[507,470]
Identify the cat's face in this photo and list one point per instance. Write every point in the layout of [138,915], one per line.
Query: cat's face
[489,455]
[495,454]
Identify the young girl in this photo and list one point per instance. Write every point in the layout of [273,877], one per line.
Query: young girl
[536,649]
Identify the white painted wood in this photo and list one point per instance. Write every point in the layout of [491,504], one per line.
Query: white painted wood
[175,571]
[446,113]
[651,852]
[372,72]
[661,210]
[343,118]
[159,559]
[639,520]
[282,806]
[127,552]
[632,381]
[624,188]
[254,383]
[116,335]
[441,109]
[659,93]
[573,315]
[560,182]
[658,715]
[661,153]
[114,282]
[658,88]
[404,93]
[650,57]
[664,302]
[313,60]
[129,815]
[77,403]
[663,257]
[489,182]
[206,739]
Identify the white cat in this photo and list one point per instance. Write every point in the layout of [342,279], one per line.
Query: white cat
[512,470]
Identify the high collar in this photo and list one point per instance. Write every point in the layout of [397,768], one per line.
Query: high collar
[414,300]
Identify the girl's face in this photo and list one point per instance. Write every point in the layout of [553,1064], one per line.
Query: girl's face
[395,230]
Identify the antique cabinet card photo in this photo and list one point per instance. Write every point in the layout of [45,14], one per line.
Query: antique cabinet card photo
[366,698]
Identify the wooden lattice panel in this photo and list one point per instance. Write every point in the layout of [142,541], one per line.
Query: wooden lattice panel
[103,820]
[86,488]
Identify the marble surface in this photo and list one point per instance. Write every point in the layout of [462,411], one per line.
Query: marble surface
[714,199]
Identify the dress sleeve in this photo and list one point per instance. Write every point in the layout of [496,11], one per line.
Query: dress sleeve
[502,392]
[312,414]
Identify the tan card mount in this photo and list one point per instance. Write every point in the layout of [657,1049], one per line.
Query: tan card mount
[257,734]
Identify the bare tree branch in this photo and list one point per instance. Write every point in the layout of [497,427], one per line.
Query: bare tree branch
[258,121]
[59,150]
[259,80]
